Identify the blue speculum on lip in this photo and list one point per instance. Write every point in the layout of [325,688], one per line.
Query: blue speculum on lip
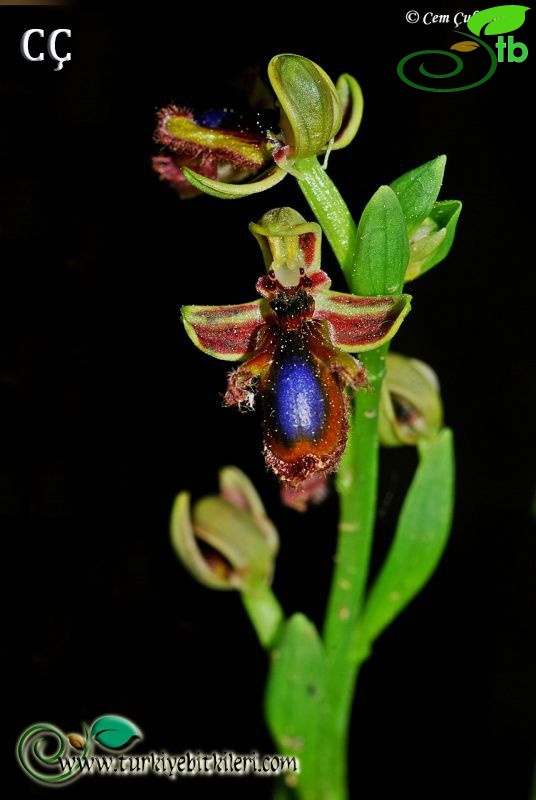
[229,118]
[297,403]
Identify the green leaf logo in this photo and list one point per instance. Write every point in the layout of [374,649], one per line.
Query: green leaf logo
[499,19]
[114,733]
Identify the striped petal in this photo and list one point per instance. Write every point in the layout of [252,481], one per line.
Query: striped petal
[225,332]
[361,323]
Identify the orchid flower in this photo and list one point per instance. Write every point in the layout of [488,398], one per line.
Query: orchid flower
[231,155]
[295,344]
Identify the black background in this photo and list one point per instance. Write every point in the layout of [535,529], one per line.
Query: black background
[111,411]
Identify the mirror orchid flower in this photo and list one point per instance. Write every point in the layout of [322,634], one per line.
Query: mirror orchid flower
[230,154]
[295,344]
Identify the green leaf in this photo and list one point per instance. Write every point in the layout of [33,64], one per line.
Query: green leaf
[418,189]
[114,733]
[432,240]
[381,250]
[295,698]
[499,19]
[420,538]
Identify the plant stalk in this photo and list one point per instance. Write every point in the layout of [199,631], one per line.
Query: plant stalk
[345,647]
[357,484]
[331,211]
[265,614]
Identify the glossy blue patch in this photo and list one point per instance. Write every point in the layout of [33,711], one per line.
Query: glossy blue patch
[300,407]
[216,118]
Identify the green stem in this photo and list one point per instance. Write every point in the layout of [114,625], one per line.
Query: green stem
[357,484]
[329,208]
[345,649]
[265,614]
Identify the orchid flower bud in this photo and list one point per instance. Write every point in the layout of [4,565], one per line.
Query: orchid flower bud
[411,407]
[226,541]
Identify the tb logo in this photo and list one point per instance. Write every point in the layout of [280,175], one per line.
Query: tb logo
[512,47]
[51,46]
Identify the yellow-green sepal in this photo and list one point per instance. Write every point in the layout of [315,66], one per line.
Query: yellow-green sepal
[186,547]
[351,98]
[311,110]
[233,191]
